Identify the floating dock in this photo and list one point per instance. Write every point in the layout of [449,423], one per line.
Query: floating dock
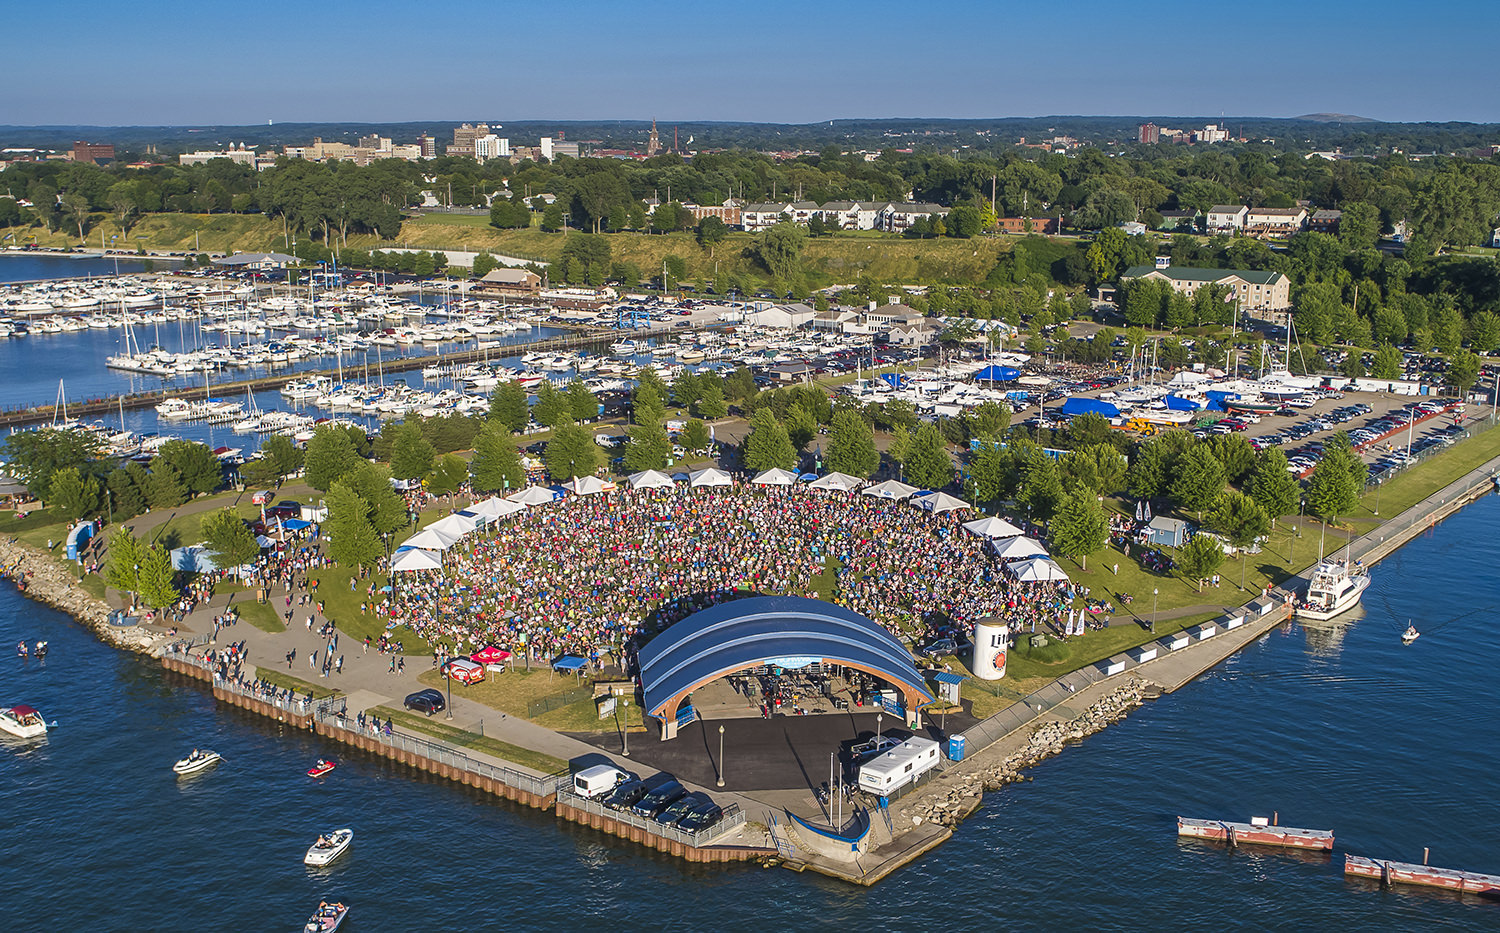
[1257,832]
[1389,873]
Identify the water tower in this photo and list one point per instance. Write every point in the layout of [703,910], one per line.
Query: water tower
[991,639]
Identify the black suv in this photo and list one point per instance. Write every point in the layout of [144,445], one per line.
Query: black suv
[427,701]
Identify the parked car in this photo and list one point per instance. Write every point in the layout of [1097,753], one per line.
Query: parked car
[681,807]
[701,818]
[427,701]
[626,795]
[659,798]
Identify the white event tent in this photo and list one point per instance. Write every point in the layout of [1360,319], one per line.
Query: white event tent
[992,527]
[430,539]
[709,477]
[533,495]
[649,479]
[455,525]
[843,482]
[890,489]
[1036,570]
[413,558]
[775,476]
[1013,549]
[496,507]
[586,486]
[938,502]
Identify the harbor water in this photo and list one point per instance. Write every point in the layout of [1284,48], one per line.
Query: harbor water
[1335,727]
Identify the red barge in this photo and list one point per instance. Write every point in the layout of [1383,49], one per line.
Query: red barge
[1259,831]
[1388,873]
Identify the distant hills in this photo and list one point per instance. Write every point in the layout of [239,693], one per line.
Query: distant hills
[1334,118]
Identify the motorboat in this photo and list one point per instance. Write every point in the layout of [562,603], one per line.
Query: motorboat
[327,918]
[328,847]
[22,721]
[321,768]
[1335,588]
[197,761]
[1410,635]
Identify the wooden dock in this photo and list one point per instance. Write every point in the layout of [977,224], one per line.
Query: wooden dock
[1255,833]
[1390,873]
[94,407]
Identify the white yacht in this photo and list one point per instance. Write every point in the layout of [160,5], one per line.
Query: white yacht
[197,761]
[1335,588]
[328,847]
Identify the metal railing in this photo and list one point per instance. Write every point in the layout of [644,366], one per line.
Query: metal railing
[733,817]
[336,712]
[283,699]
[1030,708]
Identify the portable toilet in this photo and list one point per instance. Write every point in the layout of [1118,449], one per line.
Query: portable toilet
[957,746]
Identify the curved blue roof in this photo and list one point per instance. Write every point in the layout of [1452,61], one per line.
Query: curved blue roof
[746,633]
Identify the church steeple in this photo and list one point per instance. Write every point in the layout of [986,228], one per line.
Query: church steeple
[653,142]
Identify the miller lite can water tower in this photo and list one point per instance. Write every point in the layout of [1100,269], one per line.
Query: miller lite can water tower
[991,639]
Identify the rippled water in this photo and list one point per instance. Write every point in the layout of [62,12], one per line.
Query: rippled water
[1339,728]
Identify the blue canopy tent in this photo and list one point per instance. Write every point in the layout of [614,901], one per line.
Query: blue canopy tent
[1078,405]
[296,524]
[997,374]
[194,559]
[570,664]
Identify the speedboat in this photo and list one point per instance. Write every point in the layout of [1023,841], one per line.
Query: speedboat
[22,722]
[1333,590]
[326,918]
[197,761]
[1410,635]
[328,847]
[321,768]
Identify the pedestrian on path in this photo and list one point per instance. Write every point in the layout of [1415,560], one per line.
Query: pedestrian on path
[393,665]
[401,665]
[340,666]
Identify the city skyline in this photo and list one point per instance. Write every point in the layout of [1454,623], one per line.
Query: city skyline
[773,62]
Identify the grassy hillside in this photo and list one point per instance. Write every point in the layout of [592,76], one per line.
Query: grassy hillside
[842,258]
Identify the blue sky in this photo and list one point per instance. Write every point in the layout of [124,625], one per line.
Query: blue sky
[176,62]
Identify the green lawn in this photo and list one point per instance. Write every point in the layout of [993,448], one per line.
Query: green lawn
[450,220]
[342,606]
[294,683]
[438,729]
[261,615]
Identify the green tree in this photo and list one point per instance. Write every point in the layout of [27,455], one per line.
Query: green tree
[73,495]
[165,489]
[508,406]
[1333,488]
[1099,467]
[551,406]
[1199,559]
[228,539]
[695,435]
[33,456]
[648,447]
[648,405]
[196,465]
[1240,519]
[1273,486]
[352,539]
[554,218]
[497,463]
[1040,486]
[802,427]
[1388,363]
[851,447]
[1359,227]
[1079,527]
[779,250]
[448,475]
[711,232]
[582,404]
[1463,370]
[156,584]
[1234,453]
[711,403]
[282,456]
[990,470]
[989,419]
[330,455]
[1155,463]
[571,451]
[126,494]
[384,507]
[125,553]
[1198,481]
[768,446]
[411,454]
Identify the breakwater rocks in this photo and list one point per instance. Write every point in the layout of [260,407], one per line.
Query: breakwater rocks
[950,801]
[46,579]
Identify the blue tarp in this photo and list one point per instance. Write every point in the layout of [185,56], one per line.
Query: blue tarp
[1178,403]
[296,524]
[997,374]
[1217,398]
[1078,405]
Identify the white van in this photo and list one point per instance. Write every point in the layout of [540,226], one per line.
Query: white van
[599,780]
[889,772]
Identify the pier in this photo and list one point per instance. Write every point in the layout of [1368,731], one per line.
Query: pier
[1390,873]
[20,417]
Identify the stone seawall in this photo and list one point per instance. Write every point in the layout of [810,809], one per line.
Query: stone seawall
[49,580]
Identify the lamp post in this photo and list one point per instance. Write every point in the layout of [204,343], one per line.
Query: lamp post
[879,727]
[1154,591]
[448,682]
[721,754]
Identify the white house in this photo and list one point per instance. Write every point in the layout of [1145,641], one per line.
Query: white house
[764,214]
[1226,218]
[897,218]
[1275,221]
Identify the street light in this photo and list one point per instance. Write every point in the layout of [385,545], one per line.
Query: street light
[1154,591]
[721,754]
[879,727]
[448,681]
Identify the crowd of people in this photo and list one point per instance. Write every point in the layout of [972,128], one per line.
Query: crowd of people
[595,575]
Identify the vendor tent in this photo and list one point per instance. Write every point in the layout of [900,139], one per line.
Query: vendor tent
[843,482]
[709,477]
[992,527]
[586,486]
[775,477]
[649,479]
[496,507]
[413,558]
[430,539]
[477,518]
[1036,570]
[1012,549]
[265,542]
[455,525]
[938,502]
[490,654]
[533,495]
[890,489]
